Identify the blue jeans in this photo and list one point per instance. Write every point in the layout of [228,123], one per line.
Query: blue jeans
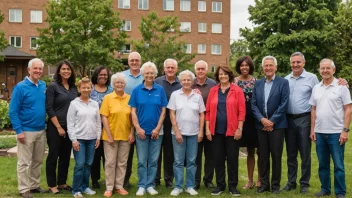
[148,151]
[328,144]
[84,159]
[188,149]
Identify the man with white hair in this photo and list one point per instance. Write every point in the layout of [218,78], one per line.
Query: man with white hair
[330,121]
[27,115]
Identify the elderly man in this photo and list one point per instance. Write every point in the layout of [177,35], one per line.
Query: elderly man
[330,121]
[204,84]
[269,106]
[134,78]
[170,83]
[27,115]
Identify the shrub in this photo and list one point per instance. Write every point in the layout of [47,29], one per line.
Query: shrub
[4,114]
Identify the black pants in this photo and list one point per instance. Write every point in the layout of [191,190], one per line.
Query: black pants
[166,154]
[271,143]
[59,155]
[129,163]
[95,168]
[225,149]
[208,161]
[297,139]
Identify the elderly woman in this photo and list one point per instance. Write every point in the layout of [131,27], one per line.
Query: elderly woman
[84,130]
[148,102]
[187,118]
[245,80]
[225,114]
[59,94]
[117,135]
[101,87]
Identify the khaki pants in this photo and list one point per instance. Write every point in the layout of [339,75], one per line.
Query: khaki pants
[116,155]
[30,158]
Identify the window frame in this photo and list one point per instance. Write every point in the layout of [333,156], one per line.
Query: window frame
[123,4]
[205,48]
[205,4]
[212,28]
[30,43]
[36,16]
[215,53]
[181,3]
[141,2]
[165,5]
[190,26]
[124,26]
[15,41]
[212,6]
[15,19]
[188,50]
[199,29]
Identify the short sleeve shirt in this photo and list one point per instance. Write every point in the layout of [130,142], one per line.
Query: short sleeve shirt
[116,109]
[98,96]
[187,111]
[149,104]
[132,81]
[204,88]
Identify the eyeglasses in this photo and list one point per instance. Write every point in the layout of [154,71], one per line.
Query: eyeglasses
[103,75]
[134,60]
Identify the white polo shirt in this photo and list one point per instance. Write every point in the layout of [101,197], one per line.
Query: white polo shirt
[187,110]
[329,101]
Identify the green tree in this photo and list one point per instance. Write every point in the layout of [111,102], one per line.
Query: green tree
[3,41]
[86,32]
[161,39]
[238,48]
[285,26]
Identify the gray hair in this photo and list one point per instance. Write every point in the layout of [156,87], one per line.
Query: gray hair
[199,62]
[30,63]
[118,75]
[186,72]
[132,53]
[328,60]
[170,59]
[269,58]
[149,65]
[297,54]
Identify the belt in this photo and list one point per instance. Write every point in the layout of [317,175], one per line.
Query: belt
[298,115]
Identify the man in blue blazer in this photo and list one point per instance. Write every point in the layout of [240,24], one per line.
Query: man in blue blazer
[269,104]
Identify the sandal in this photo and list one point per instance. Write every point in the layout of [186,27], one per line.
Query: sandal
[67,187]
[249,185]
[54,192]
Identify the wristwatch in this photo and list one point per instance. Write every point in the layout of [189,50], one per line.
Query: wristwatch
[241,129]
[346,130]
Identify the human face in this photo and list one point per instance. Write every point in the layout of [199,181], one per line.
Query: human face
[269,68]
[149,75]
[223,76]
[119,85]
[65,72]
[244,68]
[186,82]
[36,71]
[201,70]
[170,68]
[85,89]
[134,62]
[297,64]
[326,70]
[103,77]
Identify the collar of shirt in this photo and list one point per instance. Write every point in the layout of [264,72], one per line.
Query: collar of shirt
[114,95]
[32,81]
[333,83]
[176,80]
[272,79]
[79,99]
[143,87]
[205,83]
[130,74]
[181,92]
[303,74]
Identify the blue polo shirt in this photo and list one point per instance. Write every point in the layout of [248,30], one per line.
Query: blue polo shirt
[148,104]
[132,81]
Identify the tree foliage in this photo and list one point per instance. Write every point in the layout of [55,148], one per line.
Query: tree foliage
[238,48]
[161,39]
[86,32]
[3,41]
[285,26]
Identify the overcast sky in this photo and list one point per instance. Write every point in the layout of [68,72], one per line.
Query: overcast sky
[239,16]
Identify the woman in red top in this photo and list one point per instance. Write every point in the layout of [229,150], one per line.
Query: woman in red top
[225,114]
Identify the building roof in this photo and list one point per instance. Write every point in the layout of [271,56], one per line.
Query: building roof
[13,53]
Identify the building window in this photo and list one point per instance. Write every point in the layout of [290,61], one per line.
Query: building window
[216,49]
[15,15]
[185,5]
[213,68]
[125,4]
[188,49]
[202,27]
[202,48]
[16,41]
[36,16]
[126,26]
[143,4]
[202,6]
[126,49]
[168,5]
[185,27]
[217,6]
[34,44]
[216,28]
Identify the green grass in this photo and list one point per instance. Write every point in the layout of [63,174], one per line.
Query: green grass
[8,180]
[7,142]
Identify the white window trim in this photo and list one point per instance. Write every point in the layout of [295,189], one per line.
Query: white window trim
[15,41]
[129,4]
[41,17]
[142,3]
[205,49]
[199,30]
[15,20]
[190,48]
[164,6]
[30,43]
[190,6]
[124,26]
[213,29]
[205,6]
[212,5]
[190,27]
[215,53]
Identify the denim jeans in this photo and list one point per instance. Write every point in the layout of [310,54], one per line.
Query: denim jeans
[148,151]
[328,144]
[84,159]
[188,149]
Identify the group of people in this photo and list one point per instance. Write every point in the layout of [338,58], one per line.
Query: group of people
[174,119]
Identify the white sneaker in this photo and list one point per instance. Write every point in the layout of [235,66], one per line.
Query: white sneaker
[191,191]
[176,192]
[89,191]
[152,191]
[140,191]
[78,195]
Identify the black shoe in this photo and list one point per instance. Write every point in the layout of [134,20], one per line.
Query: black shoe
[340,196]
[26,195]
[68,188]
[157,182]
[209,184]
[126,184]
[289,187]
[38,190]
[234,192]
[168,184]
[321,193]
[197,186]
[95,185]
[217,191]
[275,191]
[263,189]
[304,189]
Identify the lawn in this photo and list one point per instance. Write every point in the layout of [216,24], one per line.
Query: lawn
[8,181]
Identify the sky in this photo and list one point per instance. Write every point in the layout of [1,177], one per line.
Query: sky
[239,17]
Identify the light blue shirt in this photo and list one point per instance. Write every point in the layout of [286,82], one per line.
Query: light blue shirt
[132,81]
[267,89]
[300,92]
